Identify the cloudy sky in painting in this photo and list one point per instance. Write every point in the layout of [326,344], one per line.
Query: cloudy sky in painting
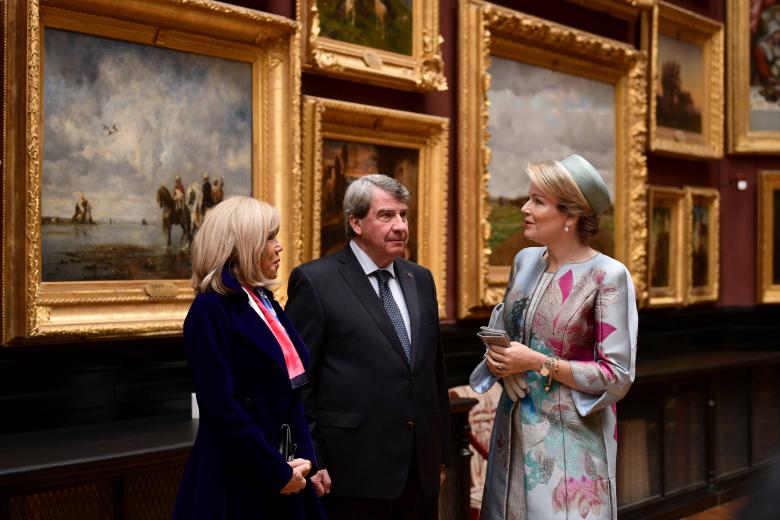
[174,112]
[538,114]
[690,59]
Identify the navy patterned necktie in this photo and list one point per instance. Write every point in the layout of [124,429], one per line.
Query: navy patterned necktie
[393,312]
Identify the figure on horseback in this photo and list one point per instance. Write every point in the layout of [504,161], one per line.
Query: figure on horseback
[174,216]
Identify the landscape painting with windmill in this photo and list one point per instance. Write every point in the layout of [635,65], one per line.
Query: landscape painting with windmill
[139,143]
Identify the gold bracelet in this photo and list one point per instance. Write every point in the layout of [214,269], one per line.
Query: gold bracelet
[548,368]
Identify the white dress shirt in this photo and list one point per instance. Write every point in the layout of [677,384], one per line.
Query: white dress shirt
[369,267]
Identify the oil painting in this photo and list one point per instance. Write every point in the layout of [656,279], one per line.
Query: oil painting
[702,243]
[379,24]
[679,88]
[666,269]
[139,143]
[539,114]
[764,89]
[346,161]
[660,253]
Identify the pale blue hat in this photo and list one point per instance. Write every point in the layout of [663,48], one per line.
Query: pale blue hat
[588,180]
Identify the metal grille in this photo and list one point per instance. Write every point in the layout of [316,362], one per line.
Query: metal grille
[90,501]
[150,495]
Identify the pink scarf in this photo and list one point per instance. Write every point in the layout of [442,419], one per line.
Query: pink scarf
[295,369]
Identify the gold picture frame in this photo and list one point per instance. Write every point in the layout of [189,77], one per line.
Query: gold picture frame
[748,136]
[413,145]
[266,46]
[485,30]
[694,77]
[413,62]
[768,267]
[702,238]
[666,272]
[628,10]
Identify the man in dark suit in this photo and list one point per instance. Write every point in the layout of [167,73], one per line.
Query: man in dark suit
[377,403]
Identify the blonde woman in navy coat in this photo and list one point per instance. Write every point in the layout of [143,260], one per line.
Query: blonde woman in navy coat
[248,365]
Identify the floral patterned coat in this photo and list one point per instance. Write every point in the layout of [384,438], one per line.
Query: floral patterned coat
[552,455]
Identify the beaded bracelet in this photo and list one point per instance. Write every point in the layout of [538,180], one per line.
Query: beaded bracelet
[548,368]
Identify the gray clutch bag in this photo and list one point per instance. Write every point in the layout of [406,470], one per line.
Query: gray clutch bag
[481,379]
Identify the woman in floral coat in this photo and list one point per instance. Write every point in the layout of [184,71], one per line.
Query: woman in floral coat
[570,312]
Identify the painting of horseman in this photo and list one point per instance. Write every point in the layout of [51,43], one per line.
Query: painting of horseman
[135,127]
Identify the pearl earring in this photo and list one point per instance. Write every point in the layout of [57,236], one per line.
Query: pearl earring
[566,227]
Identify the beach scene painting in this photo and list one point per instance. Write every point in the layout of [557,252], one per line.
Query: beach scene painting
[539,114]
[139,143]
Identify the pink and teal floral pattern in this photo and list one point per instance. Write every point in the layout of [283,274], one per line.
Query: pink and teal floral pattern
[564,440]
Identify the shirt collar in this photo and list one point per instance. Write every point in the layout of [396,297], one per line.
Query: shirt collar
[365,261]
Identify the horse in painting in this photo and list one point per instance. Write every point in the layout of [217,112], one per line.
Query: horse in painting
[171,216]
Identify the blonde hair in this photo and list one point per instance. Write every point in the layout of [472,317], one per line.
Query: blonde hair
[556,182]
[233,236]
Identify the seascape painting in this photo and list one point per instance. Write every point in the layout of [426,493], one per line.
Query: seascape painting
[700,244]
[764,66]
[346,161]
[379,24]
[660,247]
[538,114]
[139,142]
[679,89]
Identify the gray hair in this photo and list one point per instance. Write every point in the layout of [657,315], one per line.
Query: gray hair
[357,199]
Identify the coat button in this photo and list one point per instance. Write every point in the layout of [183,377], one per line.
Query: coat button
[410,425]
[247,402]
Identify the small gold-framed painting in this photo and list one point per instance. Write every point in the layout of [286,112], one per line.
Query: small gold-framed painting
[345,141]
[584,94]
[126,123]
[754,76]
[769,237]
[686,70]
[702,211]
[666,271]
[392,43]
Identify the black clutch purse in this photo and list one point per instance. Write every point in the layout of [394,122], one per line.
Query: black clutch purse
[286,446]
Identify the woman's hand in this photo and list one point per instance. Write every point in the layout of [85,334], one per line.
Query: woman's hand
[301,468]
[503,361]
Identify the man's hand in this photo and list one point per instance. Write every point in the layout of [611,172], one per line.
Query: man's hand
[321,482]
[301,468]
[442,475]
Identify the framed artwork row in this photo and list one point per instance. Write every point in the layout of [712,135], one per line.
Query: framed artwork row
[345,141]
[123,123]
[754,77]
[684,248]
[686,94]
[533,90]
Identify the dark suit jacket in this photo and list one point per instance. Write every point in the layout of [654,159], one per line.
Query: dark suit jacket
[367,407]
[244,394]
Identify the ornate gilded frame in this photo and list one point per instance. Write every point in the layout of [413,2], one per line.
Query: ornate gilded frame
[707,34]
[674,294]
[326,118]
[486,28]
[740,138]
[624,9]
[76,310]
[769,182]
[711,198]
[422,71]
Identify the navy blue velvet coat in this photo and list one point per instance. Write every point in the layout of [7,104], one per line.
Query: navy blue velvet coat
[244,394]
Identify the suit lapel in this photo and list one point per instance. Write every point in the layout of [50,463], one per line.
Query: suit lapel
[409,287]
[357,280]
